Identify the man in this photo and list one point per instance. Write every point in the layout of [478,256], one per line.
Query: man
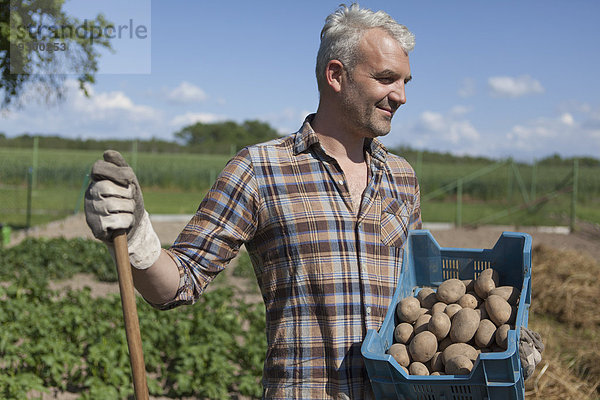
[324,214]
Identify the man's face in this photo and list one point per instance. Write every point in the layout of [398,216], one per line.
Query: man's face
[374,89]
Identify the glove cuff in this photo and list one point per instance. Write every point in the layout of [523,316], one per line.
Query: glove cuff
[144,245]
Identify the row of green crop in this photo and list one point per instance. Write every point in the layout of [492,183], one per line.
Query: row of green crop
[193,171]
[71,341]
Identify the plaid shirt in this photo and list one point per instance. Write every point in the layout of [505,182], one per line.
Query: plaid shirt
[326,275]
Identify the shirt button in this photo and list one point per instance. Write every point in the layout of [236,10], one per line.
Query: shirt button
[341,181]
[368,310]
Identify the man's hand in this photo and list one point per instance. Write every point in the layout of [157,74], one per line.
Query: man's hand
[114,201]
[530,351]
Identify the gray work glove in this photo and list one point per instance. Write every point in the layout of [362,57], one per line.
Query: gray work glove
[530,351]
[114,201]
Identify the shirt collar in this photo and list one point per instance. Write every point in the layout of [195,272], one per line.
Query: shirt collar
[306,137]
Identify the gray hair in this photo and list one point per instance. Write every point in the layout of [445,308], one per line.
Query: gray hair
[343,30]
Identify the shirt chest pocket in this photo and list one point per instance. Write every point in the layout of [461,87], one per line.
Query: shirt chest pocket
[394,222]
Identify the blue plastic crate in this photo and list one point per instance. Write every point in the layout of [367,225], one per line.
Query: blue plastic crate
[495,375]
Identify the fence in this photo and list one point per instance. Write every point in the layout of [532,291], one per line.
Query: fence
[40,185]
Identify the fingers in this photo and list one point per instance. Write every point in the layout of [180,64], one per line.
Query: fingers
[114,157]
[106,188]
[107,170]
[116,221]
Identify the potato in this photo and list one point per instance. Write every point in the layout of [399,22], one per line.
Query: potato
[502,336]
[418,368]
[485,282]
[439,325]
[444,343]
[423,346]
[508,293]
[408,309]
[459,349]
[400,354]
[498,309]
[459,365]
[423,311]
[450,291]
[427,298]
[438,307]
[403,333]
[485,335]
[464,325]
[482,312]
[435,373]
[422,323]
[452,309]
[436,364]
[468,301]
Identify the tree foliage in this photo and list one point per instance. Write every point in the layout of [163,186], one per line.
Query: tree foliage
[222,137]
[40,44]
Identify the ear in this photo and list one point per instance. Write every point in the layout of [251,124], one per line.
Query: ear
[334,73]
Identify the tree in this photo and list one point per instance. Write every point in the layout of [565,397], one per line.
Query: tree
[40,44]
[221,137]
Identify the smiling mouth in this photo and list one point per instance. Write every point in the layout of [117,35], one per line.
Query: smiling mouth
[388,112]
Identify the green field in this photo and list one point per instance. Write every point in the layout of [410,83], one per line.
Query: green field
[176,183]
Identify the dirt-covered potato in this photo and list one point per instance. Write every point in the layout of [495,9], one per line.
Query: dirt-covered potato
[418,368]
[427,298]
[439,325]
[400,354]
[498,309]
[458,365]
[438,307]
[502,336]
[464,325]
[508,293]
[452,309]
[403,333]
[436,364]
[468,301]
[422,323]
[408,309]
[485,335]
[459,349]
[451,290]
[423,346]
[485,282]
[444,343]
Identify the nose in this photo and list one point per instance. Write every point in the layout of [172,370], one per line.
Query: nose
[398,95]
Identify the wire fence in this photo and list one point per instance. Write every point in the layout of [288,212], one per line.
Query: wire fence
[41,185]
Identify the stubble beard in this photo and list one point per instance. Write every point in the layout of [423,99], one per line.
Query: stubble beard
[363,117]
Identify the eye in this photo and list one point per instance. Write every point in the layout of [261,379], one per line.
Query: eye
[385,80]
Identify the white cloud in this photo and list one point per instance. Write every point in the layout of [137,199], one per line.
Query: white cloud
[507,86]
[186,93]
[191,118]
[102,115]
[563,134]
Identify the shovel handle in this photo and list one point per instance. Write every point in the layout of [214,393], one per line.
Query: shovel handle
[132,324]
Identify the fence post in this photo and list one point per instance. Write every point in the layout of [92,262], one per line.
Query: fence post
[34,162]
[509,187]
[574,195]
[533,179]
[29,190]
[459,189]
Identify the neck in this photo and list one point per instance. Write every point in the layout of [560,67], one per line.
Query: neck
[339,142]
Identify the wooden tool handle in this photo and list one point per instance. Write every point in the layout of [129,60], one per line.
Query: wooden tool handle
[132,324]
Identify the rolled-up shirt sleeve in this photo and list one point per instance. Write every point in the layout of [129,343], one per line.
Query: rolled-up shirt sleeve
[225,219]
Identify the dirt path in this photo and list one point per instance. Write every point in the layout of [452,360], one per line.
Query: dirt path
[586,239]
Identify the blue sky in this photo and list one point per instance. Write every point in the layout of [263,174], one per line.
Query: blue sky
[492,78]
